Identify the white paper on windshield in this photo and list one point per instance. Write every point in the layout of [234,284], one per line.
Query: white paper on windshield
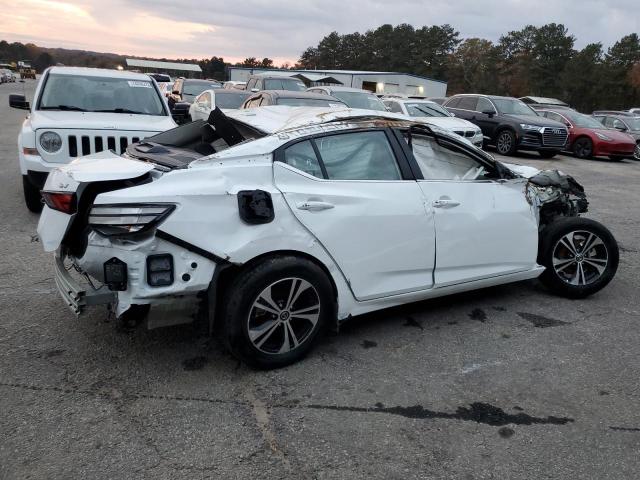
[139,84]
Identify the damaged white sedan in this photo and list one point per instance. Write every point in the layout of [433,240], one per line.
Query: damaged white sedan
[298,218]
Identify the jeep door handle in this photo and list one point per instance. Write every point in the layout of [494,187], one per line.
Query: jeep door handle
[314,206]
[445,203]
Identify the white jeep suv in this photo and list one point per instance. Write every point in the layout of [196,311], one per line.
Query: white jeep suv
[80,111]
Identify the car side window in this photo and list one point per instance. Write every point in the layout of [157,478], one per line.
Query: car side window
[484,105]
[251,83]
[440,161]
[393,106]
[556,117]
[608,122]
[452,102]
[358,156]
[303,157]
[618,124]
[468,103]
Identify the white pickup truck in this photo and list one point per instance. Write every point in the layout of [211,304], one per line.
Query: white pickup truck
[80,111]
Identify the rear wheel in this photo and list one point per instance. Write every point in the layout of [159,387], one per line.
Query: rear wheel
[506,143]
[583,148]
[547,153]
[275,311]
[580,256]
[32,196]
[636,152]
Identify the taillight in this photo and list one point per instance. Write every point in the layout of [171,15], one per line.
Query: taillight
[62,201]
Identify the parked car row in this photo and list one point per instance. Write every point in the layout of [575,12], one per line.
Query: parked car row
[277,213]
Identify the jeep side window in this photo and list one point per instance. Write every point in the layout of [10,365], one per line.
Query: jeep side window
[484,105]
[468,103]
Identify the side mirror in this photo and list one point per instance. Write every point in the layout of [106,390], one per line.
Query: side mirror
[18,101]
[180,111]
[621,128]
[489,113]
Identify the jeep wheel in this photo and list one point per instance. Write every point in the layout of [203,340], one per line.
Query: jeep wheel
[275,311]
[580,256]
[506,143]
[32,196]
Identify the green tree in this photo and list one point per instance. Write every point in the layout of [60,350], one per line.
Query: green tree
[474,67]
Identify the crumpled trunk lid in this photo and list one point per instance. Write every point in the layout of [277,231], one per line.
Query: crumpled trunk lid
[85,177]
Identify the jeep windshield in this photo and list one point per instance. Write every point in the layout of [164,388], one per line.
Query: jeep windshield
[100,94]
[512,107]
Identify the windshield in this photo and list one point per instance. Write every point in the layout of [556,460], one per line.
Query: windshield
[512,107]
[230,100]
[424,109]
[284,84]
[100,94]
[193,88]
[582,121]
[364,100]
[307,102]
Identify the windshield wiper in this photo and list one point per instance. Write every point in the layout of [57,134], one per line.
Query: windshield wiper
[63,107]
[119,110]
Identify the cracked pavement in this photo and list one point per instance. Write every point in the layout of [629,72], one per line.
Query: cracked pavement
[506,382]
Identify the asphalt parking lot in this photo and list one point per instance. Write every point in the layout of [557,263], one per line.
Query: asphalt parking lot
[506,383]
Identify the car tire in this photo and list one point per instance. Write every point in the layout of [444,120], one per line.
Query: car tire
[583,148]
[32,196]
[506,143]
[580,257]
[636,152]
[547,154]
[259,324]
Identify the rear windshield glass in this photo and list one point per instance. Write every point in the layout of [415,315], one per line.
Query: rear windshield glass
[307,102]
[284,84]
[100,94]
[364,100]
[230,100]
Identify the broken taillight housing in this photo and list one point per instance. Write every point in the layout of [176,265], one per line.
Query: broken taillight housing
[130,218]
[64,202]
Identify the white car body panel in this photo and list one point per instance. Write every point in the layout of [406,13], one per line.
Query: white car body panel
[386,242]
[383,243]
[492,231]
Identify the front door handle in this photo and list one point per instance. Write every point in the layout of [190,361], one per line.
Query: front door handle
[314,206]
[445,203]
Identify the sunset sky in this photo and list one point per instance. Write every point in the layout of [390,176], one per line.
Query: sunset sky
[282,30]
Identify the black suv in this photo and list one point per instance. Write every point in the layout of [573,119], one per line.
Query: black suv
[510,124]
[185,90]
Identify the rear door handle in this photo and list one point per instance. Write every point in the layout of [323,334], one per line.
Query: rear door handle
[445,203]
[314,206]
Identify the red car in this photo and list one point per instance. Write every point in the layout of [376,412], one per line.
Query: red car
[589,138]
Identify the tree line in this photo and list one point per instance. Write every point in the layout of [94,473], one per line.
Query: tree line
[42,57]
[539,61]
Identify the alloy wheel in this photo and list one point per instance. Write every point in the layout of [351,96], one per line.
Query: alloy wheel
[583,149]
[504,143]
[636,152]
[580,258]
[283,316]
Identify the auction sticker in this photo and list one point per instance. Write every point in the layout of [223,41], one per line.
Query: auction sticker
[139,84]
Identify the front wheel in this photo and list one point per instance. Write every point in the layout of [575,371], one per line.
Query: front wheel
[583,148]
[580,256]
[32,196]
[506,143]
[275,311]
[636,152]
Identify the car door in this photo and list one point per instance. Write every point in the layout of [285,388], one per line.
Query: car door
[355,193]
[485,227]
[487,122]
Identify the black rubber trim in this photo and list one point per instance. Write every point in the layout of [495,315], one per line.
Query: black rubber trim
[192,248]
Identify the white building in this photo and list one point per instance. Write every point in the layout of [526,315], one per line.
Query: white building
[378,82]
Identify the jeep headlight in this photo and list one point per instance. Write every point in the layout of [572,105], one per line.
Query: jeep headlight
[126,219]
[50,142]
[530,128]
